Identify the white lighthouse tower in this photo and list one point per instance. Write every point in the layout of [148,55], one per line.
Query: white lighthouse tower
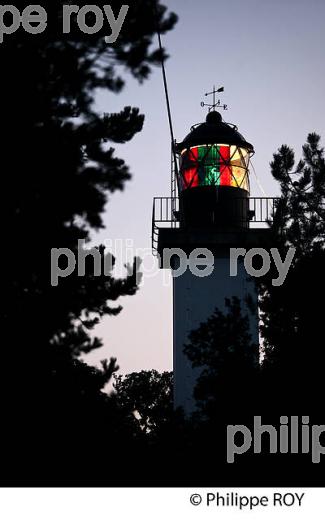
[210,208]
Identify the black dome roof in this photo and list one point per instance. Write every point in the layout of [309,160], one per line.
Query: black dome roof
[214,131]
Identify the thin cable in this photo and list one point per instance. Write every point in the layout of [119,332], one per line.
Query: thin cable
[258,182]
[261,188]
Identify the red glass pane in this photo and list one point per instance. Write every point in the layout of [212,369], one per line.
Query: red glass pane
[190,169]
[225,171]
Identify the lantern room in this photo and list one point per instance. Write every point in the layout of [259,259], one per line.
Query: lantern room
[213,174]
[214,165]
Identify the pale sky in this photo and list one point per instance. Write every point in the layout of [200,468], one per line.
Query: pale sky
[269,56]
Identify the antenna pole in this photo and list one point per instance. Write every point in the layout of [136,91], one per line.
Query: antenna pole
[167,98]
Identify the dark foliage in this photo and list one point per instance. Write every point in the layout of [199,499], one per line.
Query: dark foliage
[292,326]
[222,348]
[148,396]
[58,169]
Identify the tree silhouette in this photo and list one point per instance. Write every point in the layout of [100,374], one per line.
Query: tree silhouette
[292,314]
[58,168]
[223,349]
[167,438]
[148,395]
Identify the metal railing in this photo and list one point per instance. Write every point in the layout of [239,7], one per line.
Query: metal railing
[165,211]
[165,214]
[257,212]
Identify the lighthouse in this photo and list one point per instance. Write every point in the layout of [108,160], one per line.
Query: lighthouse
[210,209]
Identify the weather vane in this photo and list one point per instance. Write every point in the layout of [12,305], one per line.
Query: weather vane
[216,104]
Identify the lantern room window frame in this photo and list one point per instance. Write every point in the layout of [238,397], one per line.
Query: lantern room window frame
[224,166]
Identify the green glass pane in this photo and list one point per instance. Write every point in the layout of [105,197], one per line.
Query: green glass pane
[212,167]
